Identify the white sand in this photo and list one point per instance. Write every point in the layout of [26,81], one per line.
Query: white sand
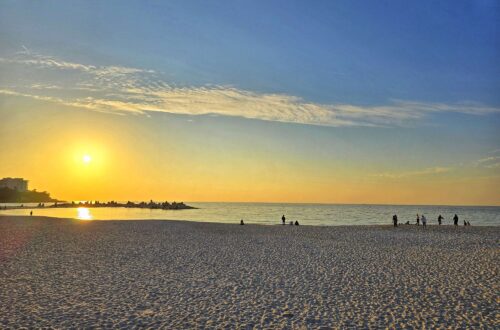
[62,273]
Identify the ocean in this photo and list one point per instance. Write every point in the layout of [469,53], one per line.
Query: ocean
[270,213]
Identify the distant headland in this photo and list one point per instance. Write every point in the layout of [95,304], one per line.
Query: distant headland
[15,190]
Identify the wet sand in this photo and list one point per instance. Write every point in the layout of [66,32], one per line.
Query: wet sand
[68,273]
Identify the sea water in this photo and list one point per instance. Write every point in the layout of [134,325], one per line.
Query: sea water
[271,213]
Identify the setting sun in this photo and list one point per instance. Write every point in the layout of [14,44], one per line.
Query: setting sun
[86,159]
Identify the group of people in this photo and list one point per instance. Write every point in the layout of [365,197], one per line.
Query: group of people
[423,219]
[283,221]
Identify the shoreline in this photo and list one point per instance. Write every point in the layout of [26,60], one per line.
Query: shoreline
[236,222]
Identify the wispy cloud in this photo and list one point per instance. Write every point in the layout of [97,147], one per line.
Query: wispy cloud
[424,172]
[119,89]
[489,162]
[42,61]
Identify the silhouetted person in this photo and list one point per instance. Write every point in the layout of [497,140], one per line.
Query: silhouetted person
[424,221]
[440,219]
[418,220]
[241,222]
[407,222]
[395,220]
[468,223]
[296,223]
[31,213]
[283,219]
[455,220]
[465,223]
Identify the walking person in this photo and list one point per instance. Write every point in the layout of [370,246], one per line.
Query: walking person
[283,219]
[418,220]
[455,220]
[395,220]
[440,219]
[424,221]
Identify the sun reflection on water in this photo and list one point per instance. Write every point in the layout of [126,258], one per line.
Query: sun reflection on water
[83,213]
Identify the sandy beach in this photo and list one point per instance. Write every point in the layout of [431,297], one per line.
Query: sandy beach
[67,273]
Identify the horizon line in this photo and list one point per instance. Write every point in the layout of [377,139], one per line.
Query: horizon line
[273,202]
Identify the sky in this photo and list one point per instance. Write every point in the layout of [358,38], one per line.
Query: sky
[385,102]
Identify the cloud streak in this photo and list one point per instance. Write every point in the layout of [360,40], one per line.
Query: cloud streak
[424,172]
[119,89]
[489,162]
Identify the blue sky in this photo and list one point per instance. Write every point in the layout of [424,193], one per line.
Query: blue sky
[360,52]
[367,81]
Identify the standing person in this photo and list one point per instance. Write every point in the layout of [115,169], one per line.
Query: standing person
[418,220]
[424,221]
[283,219]
[455,220]
[395,220]
[241,222]
[440,219]
[31,213]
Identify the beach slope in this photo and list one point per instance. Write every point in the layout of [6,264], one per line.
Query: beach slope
[62,273]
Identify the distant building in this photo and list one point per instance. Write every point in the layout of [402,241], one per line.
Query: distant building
[18,184]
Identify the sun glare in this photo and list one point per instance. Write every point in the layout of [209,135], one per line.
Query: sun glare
[83,213]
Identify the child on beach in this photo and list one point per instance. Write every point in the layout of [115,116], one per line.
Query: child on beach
[418,220]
